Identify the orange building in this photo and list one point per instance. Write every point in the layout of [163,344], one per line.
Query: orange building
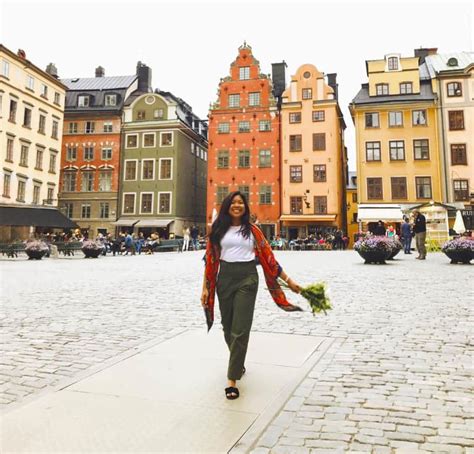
[244,142]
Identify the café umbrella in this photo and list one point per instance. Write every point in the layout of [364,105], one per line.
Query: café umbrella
[459,226]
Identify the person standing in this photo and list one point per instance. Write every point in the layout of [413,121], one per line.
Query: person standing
[186,237]
[194,237]
[379,229]
[231,252]
[406,236]
[419,229]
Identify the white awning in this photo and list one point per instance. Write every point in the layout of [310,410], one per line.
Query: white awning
[154,222]
[382,212]
[125,222]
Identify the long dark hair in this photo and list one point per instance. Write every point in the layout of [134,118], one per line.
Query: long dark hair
[224,221]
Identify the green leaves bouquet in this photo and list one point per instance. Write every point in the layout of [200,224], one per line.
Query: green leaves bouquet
[315,294]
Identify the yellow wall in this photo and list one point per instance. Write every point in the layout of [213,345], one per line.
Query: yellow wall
[408,72]
[352,226]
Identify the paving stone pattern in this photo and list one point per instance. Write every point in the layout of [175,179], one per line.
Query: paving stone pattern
[398,379]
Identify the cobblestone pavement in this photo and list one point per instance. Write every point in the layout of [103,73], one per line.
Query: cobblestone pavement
[397,379]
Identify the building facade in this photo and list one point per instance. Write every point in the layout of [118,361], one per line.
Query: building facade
[90,158]
[352,207]
[164,163]
[313,155]
[244,149]
[31,120]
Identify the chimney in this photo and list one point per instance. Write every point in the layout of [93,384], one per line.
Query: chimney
[21,53]
[423,52]
[144,77]
[52,70]
[333,84]
[99,71]
[279,80]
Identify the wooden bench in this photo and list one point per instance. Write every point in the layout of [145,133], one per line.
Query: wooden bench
[11,249]
[167,245]
[68,248]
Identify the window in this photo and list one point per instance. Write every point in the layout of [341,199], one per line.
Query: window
[319,141]
[42,124]
[296,205]
[456,120]
[87,180]
[39,159]
[57,98]
[12,115]
[106,154]
[222,192]
[354,197]
[319,173]
[69,210]
[295,117]
[234,101]
[148,169]
[30,82]
[296,174]
[52,162]
[55,129]
[254,99]
[397,150]
[9,155]
[158,114]
[110,100]
[392,63]
[406,88]
[166,169]
[223,128]
[24,155]
[318,115]
[105,180]
[372,120]
[20,195]
[295,142]
[90,127]
[83,101]
[454,89]
[399,187]
[381,89]
[458,154]
[69,181]
[164,202]
[320,204]
[223,159]
[421,149]
[85,211]
[146,204]
[149,139]
[5,68]
[108,126]
[88,153]
[27,118]
[264,158]
[129,203]
[307,93]
[132,141]
[461,190]
[50,196]
[244,126]
[374,188]
[244,158]
[7,179]
[245,190]
[141,115]
[104,210]
[264,125]
[265,194]
[423,187]
[130,170]
[244,73]
[166,139]
[72,128]
[395,119]
[71,153]
[419,117]
[44,90]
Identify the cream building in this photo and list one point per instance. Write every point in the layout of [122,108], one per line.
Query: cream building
[31,119]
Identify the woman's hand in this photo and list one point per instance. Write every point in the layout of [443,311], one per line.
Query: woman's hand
[294,287]
[204,296]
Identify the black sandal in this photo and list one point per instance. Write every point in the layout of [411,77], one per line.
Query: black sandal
[231,393]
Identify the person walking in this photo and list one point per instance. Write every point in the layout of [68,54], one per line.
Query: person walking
[186,237]
[194,237]
[419,229]
[406,236]
[231,252]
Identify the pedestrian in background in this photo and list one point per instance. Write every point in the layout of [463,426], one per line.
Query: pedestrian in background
[379,229]
[186,237]
[419,229]
[406,236]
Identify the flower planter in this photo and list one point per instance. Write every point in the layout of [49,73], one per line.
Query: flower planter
[461,256]
[394,252]
[375,256]
[35,255]
[91,253]
[459,250]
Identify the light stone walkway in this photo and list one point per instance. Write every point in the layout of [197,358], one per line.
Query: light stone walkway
[398,379]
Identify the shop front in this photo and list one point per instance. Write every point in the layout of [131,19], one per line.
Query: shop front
[163,227]
[302,226]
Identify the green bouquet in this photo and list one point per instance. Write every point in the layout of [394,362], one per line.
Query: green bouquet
[315,294]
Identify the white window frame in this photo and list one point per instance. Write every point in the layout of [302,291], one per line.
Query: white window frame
[44,91]
[154,139]
[107,125]
[401,116]
[125,169]
[102,153]
[30,82]
[152,201]
[232,105]
[82,210]
[171,202]
[126,141]
[134,202]
[255,95]
[161,138]
[143,168]
[107,99]
[80,102]
[244,73]
[159,168]
[5,68]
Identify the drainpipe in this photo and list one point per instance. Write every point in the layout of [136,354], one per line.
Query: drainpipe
[444,161]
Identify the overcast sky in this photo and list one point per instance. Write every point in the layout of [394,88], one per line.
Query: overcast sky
[190,44]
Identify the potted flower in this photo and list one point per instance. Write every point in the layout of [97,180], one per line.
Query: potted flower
[396,246]
[459,250]
[91,249]
[374,249]
[36,249]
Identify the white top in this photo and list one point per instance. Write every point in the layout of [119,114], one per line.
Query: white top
[237,248]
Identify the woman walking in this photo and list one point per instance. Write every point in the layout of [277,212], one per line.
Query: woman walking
[234,244]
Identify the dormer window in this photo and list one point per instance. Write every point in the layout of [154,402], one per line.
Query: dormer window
[381,89]
[393,63]
[454,89]
[83,101]
[453,61]
[110,100]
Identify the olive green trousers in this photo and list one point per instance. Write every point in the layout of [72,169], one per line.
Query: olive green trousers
[237,286]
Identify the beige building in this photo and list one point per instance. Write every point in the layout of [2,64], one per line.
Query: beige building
[31,119]
[313,155]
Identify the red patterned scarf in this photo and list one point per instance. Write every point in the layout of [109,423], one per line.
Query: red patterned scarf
[271,270]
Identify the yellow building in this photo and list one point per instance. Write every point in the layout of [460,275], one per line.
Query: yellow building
[352,207]
[313,155]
